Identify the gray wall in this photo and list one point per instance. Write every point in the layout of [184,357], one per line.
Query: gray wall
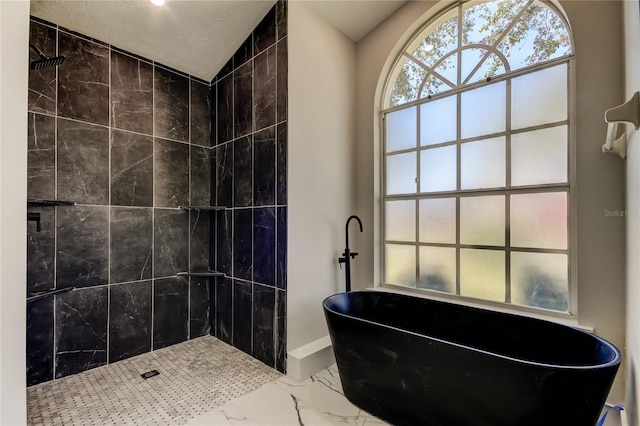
[632,85]
[14,36]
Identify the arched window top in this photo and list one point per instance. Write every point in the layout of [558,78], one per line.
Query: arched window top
[476,41]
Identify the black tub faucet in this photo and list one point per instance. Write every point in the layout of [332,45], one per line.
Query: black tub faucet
[347,255]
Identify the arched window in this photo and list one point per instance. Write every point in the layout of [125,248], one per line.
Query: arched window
[477,153]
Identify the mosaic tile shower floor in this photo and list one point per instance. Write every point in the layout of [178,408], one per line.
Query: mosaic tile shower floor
[196,377]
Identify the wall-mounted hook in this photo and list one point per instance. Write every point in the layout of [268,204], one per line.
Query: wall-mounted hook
[628,112]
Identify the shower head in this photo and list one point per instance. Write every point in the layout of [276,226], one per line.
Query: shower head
[44,61]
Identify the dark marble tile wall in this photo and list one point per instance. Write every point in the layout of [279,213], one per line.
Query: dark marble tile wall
[250,118]
[129,141]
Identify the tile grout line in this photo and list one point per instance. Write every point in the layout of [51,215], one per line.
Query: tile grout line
[190,216]
[110,118]
[153,202]
[55,214]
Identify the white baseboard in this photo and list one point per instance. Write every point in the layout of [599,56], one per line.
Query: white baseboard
[307,360]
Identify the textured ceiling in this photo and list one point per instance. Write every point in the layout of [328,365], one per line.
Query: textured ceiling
[355,18]
[195,36]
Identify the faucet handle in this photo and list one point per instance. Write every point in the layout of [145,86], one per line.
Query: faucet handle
[353,255]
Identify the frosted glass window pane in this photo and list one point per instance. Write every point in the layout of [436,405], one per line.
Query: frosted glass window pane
[539,220]
[438,220]
[438,269]
[438,121]
[438,169]
[400,220]
[539,157]
[482,220]
[484,110]
[483,164]
[539,97]
[401,173]
[482,274]
[400,265]
[540,279]
[401,129]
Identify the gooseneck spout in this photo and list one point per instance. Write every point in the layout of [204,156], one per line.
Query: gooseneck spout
[347,255]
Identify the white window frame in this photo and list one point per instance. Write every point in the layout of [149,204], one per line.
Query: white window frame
[569,187]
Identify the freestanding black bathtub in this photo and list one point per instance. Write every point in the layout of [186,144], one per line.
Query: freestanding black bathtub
[413,361]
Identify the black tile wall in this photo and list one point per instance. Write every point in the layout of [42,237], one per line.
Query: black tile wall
[264,179]
[171,105]
[171,242]
[243,90]
[128,141]
[224,309]
[281,254]
[224,107]
[264,303]
[200,113]
[83,162]
[281,330]
[39,341]
[131,93]
[200,236]
[42,82]
[131,239]
[80,330]
[224,242]
[264,245]
[200,176]
[242,172]
[131,169]
[171,312]
[199,321]
[281,164]
[129,319]
[82,246]
[242,244]
[171,168]
[250,115]
[83,82]
[242,318]
[41,163]
[264,101]
[281,78]
[224,182]
[264,35]
[41,252]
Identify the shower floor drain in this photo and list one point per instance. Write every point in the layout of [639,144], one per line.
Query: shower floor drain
[149,374]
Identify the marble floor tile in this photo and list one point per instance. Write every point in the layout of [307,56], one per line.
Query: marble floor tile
[319,400]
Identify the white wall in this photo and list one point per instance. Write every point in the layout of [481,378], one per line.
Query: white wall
[14,39]
[600,178]
[632,84]
[320,184]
